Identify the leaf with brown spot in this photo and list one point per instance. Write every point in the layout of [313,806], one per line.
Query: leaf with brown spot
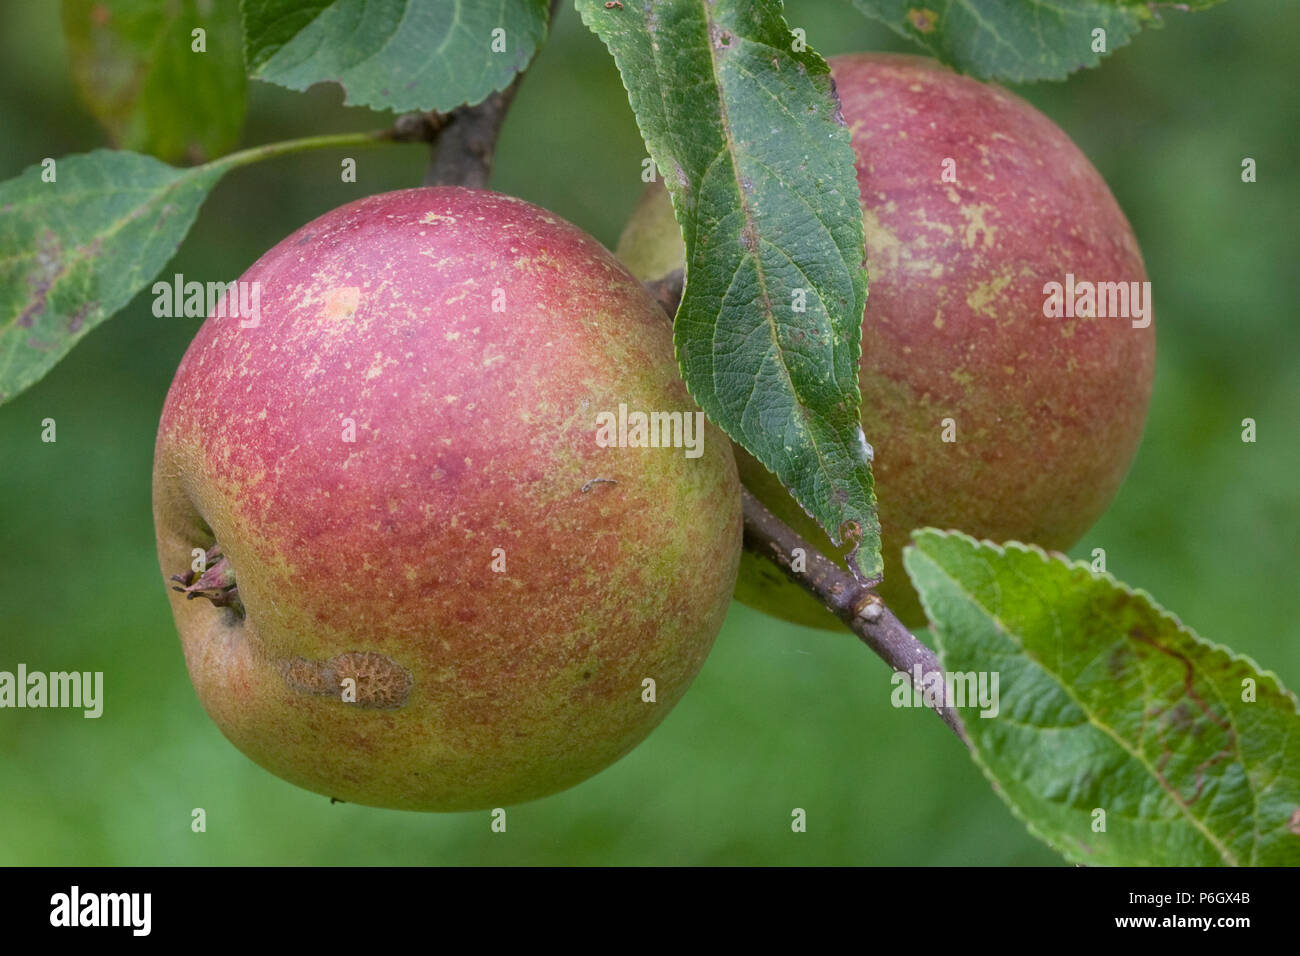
[1108,702]
[74,251]
[135,68]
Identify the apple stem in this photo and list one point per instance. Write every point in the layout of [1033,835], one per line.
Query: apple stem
[216,582]
[667,291]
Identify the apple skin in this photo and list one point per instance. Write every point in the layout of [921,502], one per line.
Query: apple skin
[1048,411]
[474,430]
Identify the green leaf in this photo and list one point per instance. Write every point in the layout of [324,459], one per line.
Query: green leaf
[394,54]
[74,251]
[135,68]
[747,134]
[1108,702]
[1016,40]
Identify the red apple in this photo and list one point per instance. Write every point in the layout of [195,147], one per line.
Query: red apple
[974,203]
[433,588]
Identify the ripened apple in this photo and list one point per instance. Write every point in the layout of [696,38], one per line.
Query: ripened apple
[1007,346]
[428,585]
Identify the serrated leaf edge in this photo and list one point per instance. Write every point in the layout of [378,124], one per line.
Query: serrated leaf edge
[1047,557]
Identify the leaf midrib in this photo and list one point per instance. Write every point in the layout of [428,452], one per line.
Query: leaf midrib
[1196,822]
[750,223]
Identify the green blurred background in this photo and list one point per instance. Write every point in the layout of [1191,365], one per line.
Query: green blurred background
[781,717]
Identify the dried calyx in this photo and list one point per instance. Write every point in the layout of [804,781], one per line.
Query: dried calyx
[216,582]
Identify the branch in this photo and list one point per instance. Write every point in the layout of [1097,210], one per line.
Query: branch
[462,155]
[418,127]
[464,140]
[859,608]
[836,589]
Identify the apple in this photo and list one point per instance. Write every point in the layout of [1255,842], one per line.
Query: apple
[986,413]
[429,585]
